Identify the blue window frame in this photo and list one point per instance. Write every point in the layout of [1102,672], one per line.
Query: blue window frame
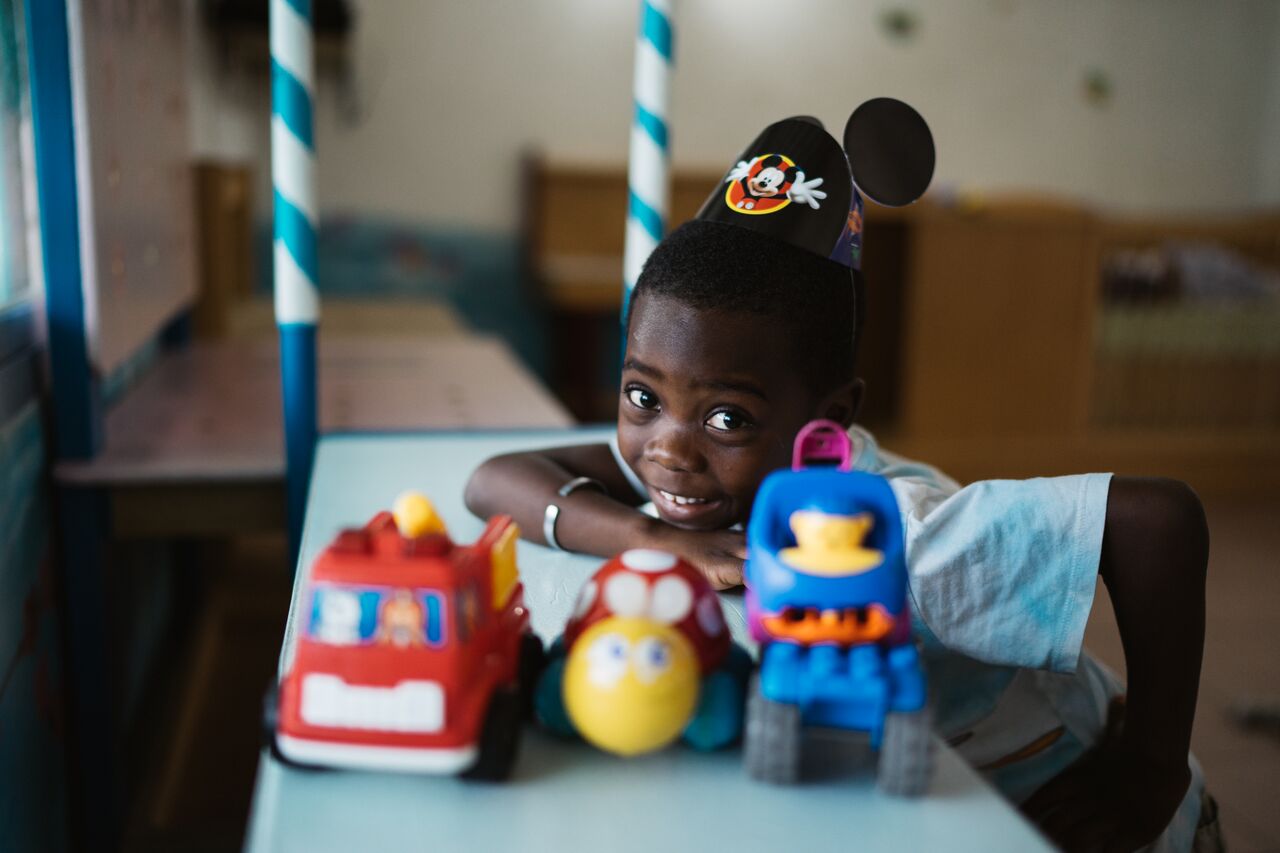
[15,126]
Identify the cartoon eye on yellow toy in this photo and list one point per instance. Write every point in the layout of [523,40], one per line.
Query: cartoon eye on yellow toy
[631,685]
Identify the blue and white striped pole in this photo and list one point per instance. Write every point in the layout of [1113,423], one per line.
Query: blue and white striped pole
[648,183]
[297,305]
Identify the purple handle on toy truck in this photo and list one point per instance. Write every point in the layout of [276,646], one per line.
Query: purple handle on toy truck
[822,441]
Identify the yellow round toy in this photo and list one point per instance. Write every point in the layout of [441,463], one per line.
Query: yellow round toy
[631,684]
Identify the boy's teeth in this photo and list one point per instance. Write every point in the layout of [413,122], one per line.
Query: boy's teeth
[680,499]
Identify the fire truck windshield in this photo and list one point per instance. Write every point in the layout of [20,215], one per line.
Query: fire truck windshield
[348,615]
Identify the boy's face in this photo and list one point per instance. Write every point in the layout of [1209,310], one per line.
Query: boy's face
[710,404]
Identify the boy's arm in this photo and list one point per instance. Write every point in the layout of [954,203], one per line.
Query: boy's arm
[1155,549]
[590,522]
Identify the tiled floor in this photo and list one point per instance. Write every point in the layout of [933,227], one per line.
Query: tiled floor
[1241,665]
[203,792]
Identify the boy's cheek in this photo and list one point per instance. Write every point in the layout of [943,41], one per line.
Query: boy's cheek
[743,476]
[745,497]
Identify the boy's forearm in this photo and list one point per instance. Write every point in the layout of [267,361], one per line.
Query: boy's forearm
[1155,550]
[594,523]
[590,521]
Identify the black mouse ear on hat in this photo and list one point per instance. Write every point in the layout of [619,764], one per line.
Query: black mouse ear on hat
[890,151]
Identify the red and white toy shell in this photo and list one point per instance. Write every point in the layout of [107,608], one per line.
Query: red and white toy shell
[650,584]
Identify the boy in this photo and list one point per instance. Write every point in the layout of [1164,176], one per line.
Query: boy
[742,328]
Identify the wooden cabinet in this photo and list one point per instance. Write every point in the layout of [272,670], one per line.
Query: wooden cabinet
[997,331]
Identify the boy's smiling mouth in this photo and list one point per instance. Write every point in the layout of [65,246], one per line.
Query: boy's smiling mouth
[682,501]
[686,510]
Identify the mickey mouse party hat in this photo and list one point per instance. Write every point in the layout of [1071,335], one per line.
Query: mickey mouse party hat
[796,184]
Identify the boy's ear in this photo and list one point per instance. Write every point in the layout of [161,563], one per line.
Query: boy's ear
[842,404]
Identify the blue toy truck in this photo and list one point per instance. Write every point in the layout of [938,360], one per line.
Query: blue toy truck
[827,599]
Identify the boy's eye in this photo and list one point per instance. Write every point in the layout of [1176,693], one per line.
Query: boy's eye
[642,399]
[726,421]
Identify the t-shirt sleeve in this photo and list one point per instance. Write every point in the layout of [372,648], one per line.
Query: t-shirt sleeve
[1004,571]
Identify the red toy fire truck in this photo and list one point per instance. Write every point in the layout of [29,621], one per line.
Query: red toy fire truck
[413,653]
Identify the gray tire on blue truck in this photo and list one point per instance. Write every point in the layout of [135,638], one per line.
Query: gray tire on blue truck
[906,753]
[773,738]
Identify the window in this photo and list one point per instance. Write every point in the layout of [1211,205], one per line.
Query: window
[14,132]
[357,615]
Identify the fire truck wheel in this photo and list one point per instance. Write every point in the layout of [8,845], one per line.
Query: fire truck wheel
[533,660]
[773,738]
[906,753]
[270,722]
[270,715]
[500,737]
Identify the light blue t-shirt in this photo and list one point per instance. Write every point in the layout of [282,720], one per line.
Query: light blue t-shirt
[1002,576]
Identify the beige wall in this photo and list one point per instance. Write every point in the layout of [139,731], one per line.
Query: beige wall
[446,94]
[1268,186]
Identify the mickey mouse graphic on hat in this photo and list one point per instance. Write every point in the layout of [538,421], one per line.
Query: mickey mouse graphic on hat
[795,182]
[769,182]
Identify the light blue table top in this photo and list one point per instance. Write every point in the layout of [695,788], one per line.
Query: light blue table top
[566,796]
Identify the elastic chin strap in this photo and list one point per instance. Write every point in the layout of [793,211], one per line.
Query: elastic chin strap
[859,311]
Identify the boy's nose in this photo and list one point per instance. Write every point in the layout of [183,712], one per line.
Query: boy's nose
[675,451]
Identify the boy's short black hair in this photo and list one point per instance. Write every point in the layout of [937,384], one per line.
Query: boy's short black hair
[713,266]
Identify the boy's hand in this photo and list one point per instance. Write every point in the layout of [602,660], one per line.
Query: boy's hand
[718,554]
[1113,800]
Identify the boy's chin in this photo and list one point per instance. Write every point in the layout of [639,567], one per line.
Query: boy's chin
[697,526]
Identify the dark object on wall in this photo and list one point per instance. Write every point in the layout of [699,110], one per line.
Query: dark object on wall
[1098,87]
[241,31]
[900,24]
[329,18]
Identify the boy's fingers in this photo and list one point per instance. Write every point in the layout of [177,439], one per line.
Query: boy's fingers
[733,544]
[718,582]
[731,578]
[714,572]
[727,576]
